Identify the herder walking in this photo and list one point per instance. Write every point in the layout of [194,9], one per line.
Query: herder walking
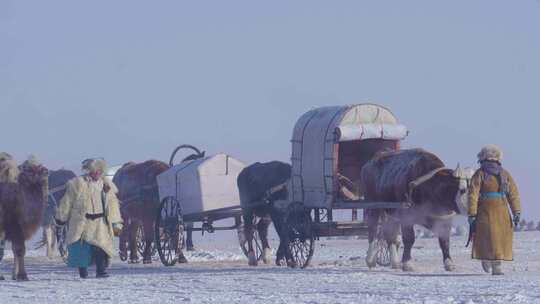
[90,209]
[491,193]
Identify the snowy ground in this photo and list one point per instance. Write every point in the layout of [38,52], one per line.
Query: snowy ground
[218,273]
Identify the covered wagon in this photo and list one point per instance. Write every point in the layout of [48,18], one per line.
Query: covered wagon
[202,190]
[329,147]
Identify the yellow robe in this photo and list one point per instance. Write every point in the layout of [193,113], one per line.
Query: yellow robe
[494,228]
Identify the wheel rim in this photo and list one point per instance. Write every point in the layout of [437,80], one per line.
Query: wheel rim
[383,253]
[256,240]
[62,248]
[140,239]
[300,233]
[168,231]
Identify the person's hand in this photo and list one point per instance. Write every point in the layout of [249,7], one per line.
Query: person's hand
[472,219]
[517,218]
[117,228]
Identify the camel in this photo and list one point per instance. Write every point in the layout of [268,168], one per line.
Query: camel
[260,186]
[51,238]
[23,198]
[435,194]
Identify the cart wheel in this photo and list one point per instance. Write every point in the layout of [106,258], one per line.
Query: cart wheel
[139,238]
[383,253]
[122,254]
[169,231]
[61,241]
[256,239]
[299,227]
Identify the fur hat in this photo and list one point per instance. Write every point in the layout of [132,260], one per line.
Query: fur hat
[490,152]
[94,164]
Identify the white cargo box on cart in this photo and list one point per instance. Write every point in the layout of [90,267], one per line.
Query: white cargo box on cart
[203,185]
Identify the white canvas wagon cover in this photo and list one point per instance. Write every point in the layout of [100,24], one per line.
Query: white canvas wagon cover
[313,145]
[204,184]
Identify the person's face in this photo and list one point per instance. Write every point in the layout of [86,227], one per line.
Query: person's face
[95,175]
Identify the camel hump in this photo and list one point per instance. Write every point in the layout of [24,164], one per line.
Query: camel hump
[9,172]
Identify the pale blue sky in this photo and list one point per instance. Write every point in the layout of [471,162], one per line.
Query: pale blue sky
[129,80]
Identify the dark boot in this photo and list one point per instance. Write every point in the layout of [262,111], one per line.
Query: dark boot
[101,263]
[83,272]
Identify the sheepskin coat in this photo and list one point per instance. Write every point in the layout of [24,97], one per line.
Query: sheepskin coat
[494,229]
[83,196]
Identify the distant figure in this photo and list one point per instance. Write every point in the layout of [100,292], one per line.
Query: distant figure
[90,209]
[538,226]
[492,190]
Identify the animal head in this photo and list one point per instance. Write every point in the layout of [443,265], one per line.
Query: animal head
[438,195]
[464,176]
[32,172]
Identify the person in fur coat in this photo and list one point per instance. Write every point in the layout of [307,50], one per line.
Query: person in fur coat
[492,192]
[91,211]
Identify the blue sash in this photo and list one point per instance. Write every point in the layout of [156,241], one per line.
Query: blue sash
[492,195]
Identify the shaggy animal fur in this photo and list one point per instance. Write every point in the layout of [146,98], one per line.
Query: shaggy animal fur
[387,177]
[22,205]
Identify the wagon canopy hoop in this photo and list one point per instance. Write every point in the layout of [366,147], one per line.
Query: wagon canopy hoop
[198,153]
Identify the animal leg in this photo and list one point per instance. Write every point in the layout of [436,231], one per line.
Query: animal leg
[50,240]
[283,254]
[372,218]
[181,257]
[123,242]
[444,243]
[189,237]
[132,243]
[408,242]
[248,231]
[262,229]
[2,249]
[390,231]
[148,227]
[19,250]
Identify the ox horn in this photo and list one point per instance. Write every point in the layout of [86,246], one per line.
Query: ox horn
[443,217]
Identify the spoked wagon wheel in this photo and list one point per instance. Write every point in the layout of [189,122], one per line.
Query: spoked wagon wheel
[383,252]
[169,231]
[257,244]
[141,243]
[382,248]
[61,241]
[299,227]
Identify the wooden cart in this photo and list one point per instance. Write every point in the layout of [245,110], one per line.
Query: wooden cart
[329,147]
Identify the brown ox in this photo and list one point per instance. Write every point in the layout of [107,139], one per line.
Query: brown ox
[139,197]
[419,178]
